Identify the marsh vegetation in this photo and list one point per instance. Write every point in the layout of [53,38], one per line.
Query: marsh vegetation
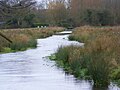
[24,38]
[97,60]
[24,21]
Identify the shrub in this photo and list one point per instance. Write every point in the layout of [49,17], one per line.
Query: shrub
[98,17]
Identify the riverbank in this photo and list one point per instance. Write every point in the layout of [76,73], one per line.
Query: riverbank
[23,39]
[97,60]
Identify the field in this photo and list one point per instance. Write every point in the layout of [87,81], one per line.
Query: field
[24,38]
[98,59]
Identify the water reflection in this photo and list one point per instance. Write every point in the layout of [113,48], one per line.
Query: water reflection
[29,70]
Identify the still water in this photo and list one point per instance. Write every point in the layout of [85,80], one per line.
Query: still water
[31,70]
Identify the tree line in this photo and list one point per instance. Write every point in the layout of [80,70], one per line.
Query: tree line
[67,13]
[85,12]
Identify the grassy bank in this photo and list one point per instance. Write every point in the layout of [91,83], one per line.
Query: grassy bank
[24,38]
[98,60]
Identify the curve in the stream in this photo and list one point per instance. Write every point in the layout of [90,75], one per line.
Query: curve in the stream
[30,70]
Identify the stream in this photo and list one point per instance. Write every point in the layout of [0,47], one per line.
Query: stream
[32,70]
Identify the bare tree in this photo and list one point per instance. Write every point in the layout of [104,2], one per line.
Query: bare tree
[56,11]
[15,9]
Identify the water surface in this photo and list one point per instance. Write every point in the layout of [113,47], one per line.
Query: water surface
[31,70]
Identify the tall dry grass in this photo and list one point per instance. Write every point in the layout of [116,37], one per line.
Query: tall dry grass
[99,59]
[24,38]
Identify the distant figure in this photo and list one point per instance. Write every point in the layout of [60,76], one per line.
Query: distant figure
[41,26]
[38,26]
[45,26]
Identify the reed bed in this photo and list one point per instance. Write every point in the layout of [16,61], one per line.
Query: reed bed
[98,60]
[24,38]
